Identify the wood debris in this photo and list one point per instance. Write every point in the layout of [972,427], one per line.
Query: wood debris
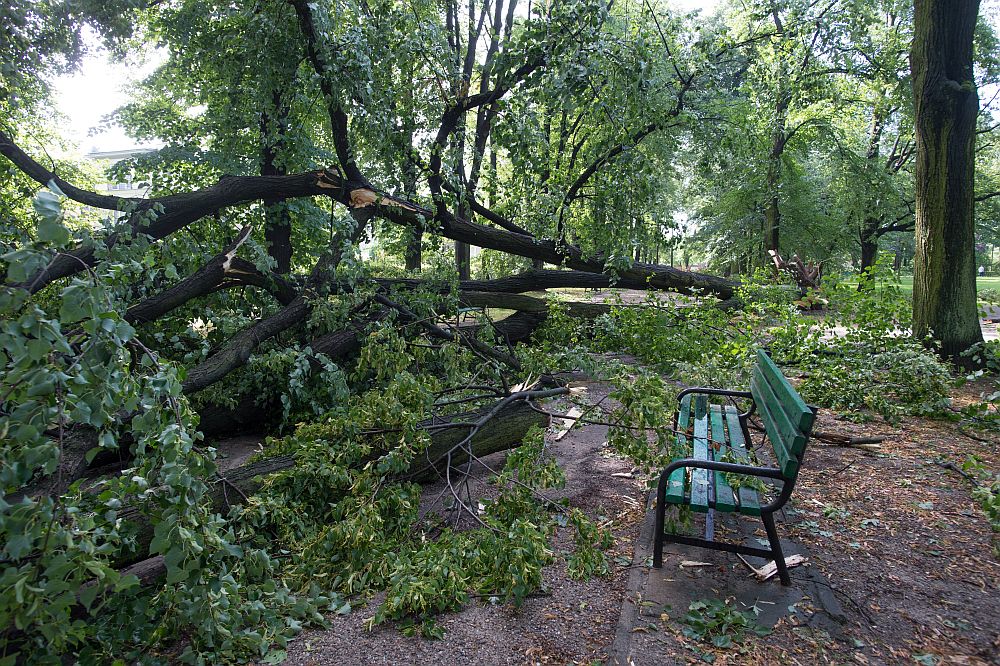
[567,422]
[771,568]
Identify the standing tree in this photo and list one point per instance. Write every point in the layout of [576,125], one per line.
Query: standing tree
[946,106]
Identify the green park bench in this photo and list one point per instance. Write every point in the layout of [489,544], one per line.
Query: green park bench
[717,437]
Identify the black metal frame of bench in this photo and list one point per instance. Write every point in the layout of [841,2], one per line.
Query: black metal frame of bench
[766,511]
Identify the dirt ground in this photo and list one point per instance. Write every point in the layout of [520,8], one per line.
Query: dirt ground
[895,537]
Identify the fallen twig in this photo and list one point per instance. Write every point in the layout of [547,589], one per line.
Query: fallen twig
[955,468]
[866,444]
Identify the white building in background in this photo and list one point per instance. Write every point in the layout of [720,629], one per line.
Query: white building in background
[130,187]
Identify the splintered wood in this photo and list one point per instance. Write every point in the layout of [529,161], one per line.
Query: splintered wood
[771,568]
[567,422]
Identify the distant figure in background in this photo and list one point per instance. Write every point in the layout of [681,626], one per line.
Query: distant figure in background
[982,271]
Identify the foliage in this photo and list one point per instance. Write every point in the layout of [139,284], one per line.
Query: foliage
[719,623]
[71,365]
[987,489]
[859,357]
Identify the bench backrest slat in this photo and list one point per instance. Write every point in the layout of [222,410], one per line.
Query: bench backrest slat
[799,413]
[788,463]
[786,417]
[791,437]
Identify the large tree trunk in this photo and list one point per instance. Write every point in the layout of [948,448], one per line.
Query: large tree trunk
[946,105]
[772,210]
[779,138]
[869,247]
[277,221]
[870,225]
[414,249]
[463,260]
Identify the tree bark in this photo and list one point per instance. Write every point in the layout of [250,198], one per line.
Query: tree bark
[415,234]
[870,225]
[277,221]
[463,260]
[946,106]
[869,248]
[772,210]
[220,272]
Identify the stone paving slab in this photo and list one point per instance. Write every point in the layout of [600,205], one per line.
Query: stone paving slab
[673,588]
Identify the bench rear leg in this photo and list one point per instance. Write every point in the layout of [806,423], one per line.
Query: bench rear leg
[779,557]
[658,533]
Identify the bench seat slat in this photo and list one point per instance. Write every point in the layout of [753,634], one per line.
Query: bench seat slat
[700,477]
[724,499]
[749,500]
[675,484]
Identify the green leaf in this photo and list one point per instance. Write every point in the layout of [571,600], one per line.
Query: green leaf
[18,546]
[126,582]
[274,657]
[47,206]
[87,595]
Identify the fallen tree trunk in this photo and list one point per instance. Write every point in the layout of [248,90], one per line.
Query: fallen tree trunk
[180,210]
[533,280]
[251,413]
[221,272]
[504,430]
[522,303]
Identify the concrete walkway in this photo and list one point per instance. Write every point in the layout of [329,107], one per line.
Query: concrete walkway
[653,592]
[989,324]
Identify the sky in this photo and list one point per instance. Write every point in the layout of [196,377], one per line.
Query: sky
[95,90]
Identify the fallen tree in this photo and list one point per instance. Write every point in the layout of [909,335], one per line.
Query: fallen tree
[452,439]
[109,352]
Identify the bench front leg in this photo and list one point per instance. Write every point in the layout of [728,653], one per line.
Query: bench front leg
[712,465]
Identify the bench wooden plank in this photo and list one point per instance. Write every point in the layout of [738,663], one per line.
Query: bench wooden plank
[787,462]
[724,499]
[700,477]
[795,406]
[792,438]
[675,484]
[749,500]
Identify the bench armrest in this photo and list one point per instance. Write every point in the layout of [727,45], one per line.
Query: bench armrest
[719,466]
[704,390]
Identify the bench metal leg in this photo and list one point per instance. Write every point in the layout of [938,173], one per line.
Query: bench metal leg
[779,557]
[661,511]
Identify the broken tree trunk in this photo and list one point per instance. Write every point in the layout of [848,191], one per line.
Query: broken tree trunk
[806,275]
[181,210]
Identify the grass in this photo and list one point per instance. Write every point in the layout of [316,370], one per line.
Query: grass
[906,283]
